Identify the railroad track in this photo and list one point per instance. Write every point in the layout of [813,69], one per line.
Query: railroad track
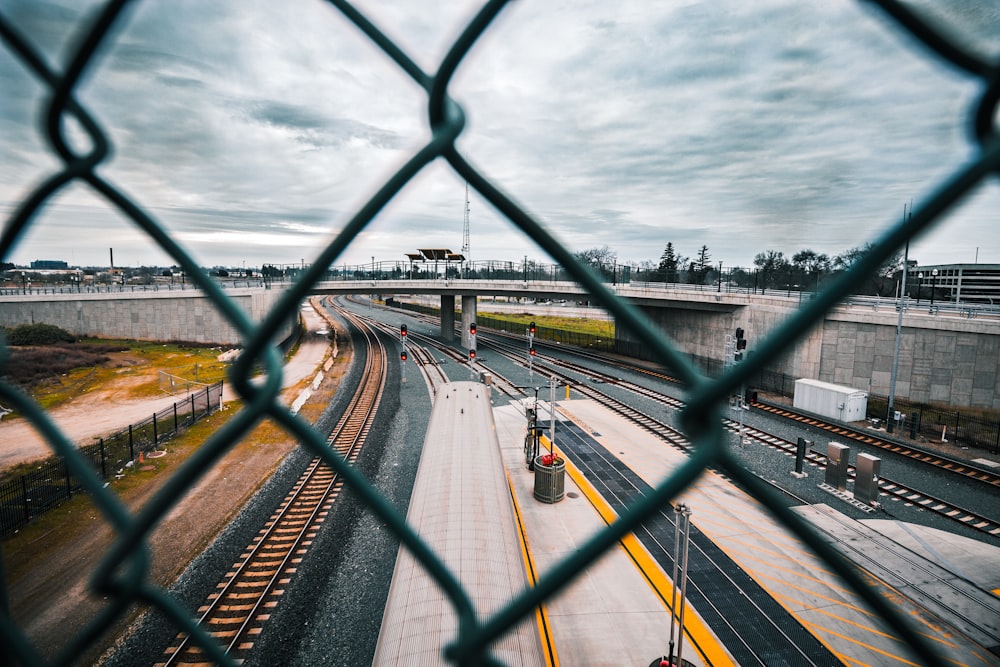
[651,424]
[510,346]
[244,601]
[938,460]
[950,464]
[886,486]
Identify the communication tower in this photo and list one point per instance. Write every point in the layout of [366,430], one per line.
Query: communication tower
[465,225]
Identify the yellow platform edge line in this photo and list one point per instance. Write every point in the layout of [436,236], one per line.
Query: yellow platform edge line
[541,615]
[703,639]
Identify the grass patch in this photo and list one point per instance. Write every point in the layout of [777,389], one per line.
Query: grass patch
[54,374]
[595,327]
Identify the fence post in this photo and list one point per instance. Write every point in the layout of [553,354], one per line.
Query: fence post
[156,439]
[104,465]
[191,396]
[24,494]
[131,445]
[958,417]
[175,417]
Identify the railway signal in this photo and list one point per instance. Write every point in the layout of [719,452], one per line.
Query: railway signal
[472,363]
[531,349]
[402,355]
[402,331]
[472,329]
[738,345]
[402,359]
[741,344]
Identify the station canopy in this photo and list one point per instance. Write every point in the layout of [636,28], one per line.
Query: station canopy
[436,254]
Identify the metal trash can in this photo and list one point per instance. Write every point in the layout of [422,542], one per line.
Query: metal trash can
[550,480]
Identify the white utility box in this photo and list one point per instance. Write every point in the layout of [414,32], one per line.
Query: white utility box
[830,400]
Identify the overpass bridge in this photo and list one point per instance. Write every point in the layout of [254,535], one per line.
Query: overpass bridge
[948,353]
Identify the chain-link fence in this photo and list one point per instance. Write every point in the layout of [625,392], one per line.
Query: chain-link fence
[123,573]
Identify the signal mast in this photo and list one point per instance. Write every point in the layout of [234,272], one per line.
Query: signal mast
[465,225]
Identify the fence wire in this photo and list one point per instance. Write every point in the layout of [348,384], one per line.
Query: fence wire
[123,575]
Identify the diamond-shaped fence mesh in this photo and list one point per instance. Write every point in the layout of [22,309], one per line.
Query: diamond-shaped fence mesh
[123,574]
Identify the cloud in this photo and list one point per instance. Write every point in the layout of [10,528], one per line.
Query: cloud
[252,129]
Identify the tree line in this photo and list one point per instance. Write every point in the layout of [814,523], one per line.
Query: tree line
[805,270]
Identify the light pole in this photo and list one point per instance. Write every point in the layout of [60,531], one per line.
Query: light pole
[934,273]
[920,284]
[682,528]
[890,410]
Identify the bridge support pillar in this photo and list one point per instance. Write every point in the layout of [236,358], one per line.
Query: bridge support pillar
[448,317]
[468,317]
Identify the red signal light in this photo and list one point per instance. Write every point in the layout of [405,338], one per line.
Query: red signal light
[531,351]
[402,330]
[472,354]
[531,328]
[472,328]
[402,356]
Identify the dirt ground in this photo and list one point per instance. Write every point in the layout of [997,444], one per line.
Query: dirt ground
[47,575]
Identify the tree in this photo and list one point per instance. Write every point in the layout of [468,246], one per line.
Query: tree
[603,260]
[774,269]
[700,266]
[668,270]
[883,281]
[597,257]
[808,266]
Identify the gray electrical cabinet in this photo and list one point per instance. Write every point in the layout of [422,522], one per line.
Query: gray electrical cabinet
[837,457]
[866,472]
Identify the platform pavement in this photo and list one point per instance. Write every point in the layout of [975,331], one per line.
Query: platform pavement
[612,613]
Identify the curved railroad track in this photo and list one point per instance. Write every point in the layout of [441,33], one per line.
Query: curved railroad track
[244,601]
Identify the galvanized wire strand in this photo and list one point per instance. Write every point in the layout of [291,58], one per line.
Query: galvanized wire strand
[919,645]
[934,39]
[123,572]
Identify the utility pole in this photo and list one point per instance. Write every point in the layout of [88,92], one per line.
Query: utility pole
[465,225]
[891,410]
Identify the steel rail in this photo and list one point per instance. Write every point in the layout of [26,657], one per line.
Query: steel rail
[311,495]
[943,508]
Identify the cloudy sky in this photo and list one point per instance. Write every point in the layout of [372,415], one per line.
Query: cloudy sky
[253,130]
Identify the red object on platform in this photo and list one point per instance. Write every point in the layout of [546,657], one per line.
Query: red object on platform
[549,459]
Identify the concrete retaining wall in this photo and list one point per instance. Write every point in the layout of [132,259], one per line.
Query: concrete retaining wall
[941,359]
[186,315]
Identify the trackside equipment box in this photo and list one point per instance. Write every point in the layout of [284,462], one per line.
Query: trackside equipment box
[830,400]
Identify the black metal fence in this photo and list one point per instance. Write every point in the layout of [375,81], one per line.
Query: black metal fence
[52,482]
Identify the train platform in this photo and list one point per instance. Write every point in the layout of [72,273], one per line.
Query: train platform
[615,613]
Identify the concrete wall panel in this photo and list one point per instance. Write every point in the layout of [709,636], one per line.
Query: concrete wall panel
[941,359]
[165,315]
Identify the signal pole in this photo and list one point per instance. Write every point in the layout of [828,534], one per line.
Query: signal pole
[735,345]
[531,349]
